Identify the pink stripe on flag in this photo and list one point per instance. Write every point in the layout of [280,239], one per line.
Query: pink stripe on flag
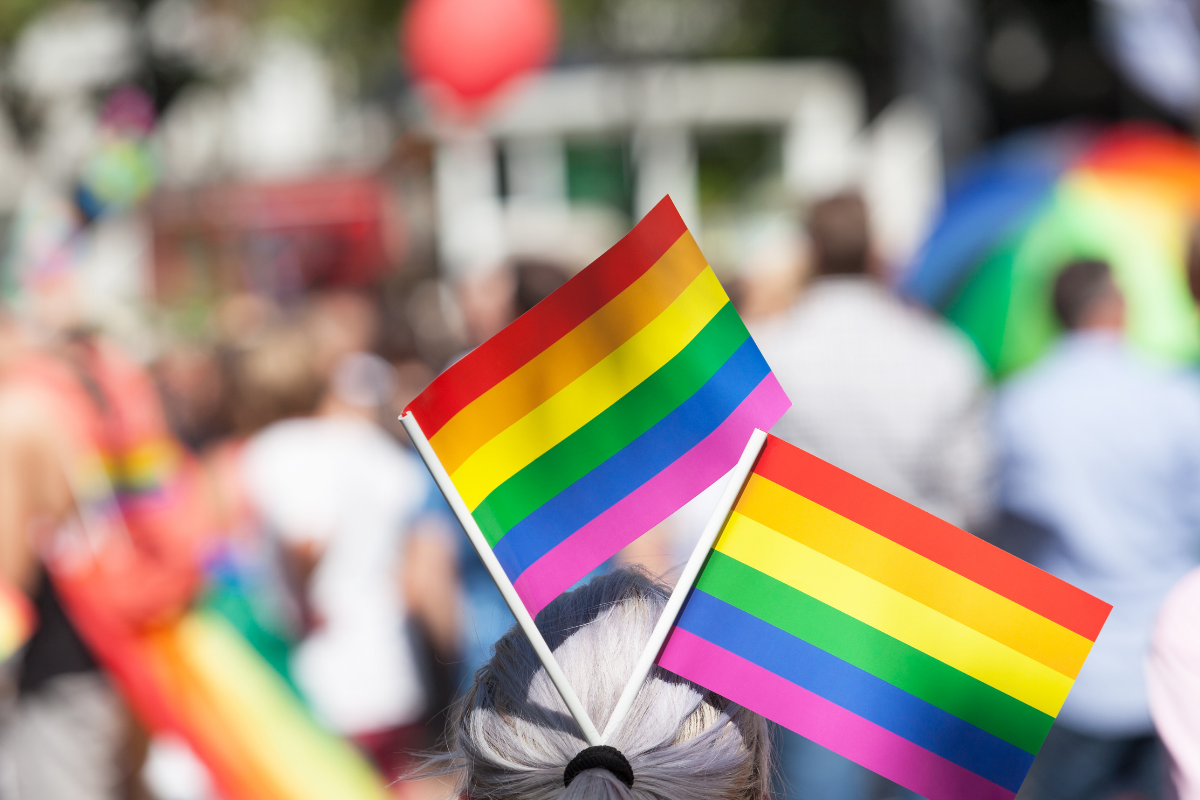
[653,501]
[826,723]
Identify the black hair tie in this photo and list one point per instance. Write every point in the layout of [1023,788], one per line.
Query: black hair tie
[600,757]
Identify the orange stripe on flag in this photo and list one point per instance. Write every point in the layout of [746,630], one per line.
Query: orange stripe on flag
[911,574]
[936,539]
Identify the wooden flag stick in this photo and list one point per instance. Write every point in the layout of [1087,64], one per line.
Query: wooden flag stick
[515,604]
[716,523]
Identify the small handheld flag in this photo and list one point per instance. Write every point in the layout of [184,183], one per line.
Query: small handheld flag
[602,410]
[881,632]
[592,418]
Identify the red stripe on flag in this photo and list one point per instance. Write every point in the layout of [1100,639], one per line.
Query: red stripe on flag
[549,320]
[931,537]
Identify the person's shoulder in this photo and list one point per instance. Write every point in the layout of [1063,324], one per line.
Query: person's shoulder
[1027,390]
[1178,385]
[1184,380]
[377,457]
[939,341]
[388,450]
[1150,372]
[288,443]
[870,305]
[284,433]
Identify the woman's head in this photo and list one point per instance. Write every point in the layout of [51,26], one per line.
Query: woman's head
[513,736]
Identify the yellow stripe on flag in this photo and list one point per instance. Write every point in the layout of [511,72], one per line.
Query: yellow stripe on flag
[587,396]
[574,354]
[912,574]
[893,613]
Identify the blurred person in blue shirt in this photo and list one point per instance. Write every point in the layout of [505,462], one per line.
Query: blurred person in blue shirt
[1099,459]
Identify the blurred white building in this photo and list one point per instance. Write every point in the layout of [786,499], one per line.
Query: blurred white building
[502,186]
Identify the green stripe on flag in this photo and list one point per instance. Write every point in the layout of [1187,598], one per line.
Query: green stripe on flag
[614,428]
[875,652]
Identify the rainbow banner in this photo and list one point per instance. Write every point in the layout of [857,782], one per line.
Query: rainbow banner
[602,410]
[881,632]
[245,723]
[198,678]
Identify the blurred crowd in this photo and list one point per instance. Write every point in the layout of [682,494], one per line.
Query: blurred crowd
[207,334]
[274,462]
[357,587]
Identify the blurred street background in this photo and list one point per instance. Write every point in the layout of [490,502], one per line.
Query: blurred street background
[238,236]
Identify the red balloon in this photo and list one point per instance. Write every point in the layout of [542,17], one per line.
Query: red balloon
[466,50]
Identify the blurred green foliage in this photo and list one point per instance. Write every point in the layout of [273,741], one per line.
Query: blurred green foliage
[735,162]
[600,170]
[16,14]
[365,31]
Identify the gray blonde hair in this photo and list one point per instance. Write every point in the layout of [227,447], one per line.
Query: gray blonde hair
[512,736]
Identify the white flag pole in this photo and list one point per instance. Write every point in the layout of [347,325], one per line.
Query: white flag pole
[515,604]
[733,489]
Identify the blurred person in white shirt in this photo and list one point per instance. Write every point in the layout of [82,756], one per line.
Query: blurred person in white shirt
[370,555]
[878,388]
[882,391]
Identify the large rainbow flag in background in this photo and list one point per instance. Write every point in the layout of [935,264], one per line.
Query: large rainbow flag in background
[1017,214]
[602,410]
[881,632]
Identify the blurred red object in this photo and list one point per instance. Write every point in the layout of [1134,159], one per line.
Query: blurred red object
[465,50]
[272,238]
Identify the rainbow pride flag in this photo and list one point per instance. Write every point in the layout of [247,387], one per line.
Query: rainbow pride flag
[881,632]
[602,410]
